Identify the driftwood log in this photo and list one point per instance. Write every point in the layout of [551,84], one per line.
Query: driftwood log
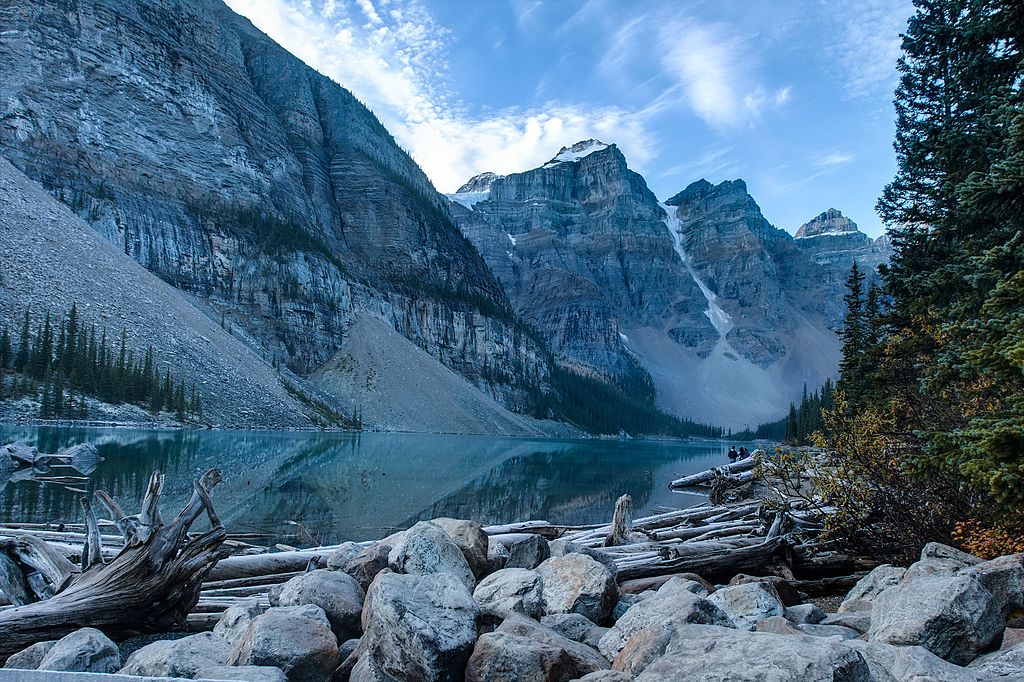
[709,475]
[151,585]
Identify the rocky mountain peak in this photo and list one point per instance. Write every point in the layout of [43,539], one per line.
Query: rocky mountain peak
[702,189]
[831,221]
[577,151]
[479,183]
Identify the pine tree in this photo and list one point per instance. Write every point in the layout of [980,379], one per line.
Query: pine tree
[851,380]
[5,349]
[22,359]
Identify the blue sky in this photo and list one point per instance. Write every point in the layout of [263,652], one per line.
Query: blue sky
[793,96]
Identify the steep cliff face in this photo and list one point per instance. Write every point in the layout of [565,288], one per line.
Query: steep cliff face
[727,314]
[834,242]
[236,173]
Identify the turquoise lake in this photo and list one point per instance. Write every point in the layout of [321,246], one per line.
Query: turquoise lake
[309,487]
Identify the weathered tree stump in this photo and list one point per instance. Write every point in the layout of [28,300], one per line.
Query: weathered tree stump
[150,586]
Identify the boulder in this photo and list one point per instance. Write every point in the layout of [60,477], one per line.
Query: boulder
[716,654]
[296,639]
[83,651]
[786,593]
[336,592]
[571,625]
[341,556]
[505,657]
[426,549]
[274,594]
[470,537]
[939,559]
[563,547]
[804,613]
[890,663]
[594,636]
[420,627]
[365,566]
[510,590]
[497,556]
[747,603]
[528,553]
[586,659]
[346,648]
[30,657]
[178,657]
[673,605]
[819,630]
[606,676]
[1004,578]
[236,619]
[954,617]
[367,669]
[576,583]
[855,620]
[778,625]
[248,673]
[640,585]
[1006,664]
[862,595]
[624,603]
[642,648]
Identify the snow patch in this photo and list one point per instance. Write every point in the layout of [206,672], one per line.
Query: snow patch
[830,233]
[625,339]
[511,239]
[468,199]
[576,152]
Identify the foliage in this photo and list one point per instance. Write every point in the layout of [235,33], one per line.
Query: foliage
[800,423]
[67,356]
[989,541]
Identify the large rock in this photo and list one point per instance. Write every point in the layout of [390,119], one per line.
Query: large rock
[425,549]
[954,617]
[939,559]
[716,654]
[530,552]
[890,663]
[178,657]
[571,625]
[607,676]
[236,619]
[1004,578]
[470,537]
[504,657]
[247,673]
[29,658]
[855,620]
[587,660]
[819,630]
[675,604]
[342,555]
[778,625]
[805,613]
[420,627]
[510,590]
[336,592]
[783,590]
[862,595]
[1007,664]
[367,669]
[497,556]
[83,651]
[365,566]
[303,647]
[576,583]
[642,648]
[747,603]
[564,547]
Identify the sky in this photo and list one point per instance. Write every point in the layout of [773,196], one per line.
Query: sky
[793,96]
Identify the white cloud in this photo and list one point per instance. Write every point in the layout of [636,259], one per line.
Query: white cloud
[834,159]
[394,62]
[867,43]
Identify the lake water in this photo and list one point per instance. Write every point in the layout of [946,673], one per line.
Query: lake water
[306,487]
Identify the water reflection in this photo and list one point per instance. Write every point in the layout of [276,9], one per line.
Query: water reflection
[359,486]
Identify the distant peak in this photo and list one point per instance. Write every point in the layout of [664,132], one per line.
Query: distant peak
[701,188]
[479,183]
[830,222]
[576,152]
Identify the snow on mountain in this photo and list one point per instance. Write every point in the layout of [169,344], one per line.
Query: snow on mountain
[576,152]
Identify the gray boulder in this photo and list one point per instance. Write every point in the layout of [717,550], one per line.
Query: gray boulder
[571,625]
[248,673]
[862,595]
[336,592]
[804,613]
[624,603]
[747,603]
[365,566]
[341,556]
[855,620]
[236,619]
[296,639]
[30,657]
[564,547]
[716,654]
[1006,664]
[367,669]
[425,549]
[178,657]
[779,625]
[674,604]
[819,630]
[890,663]
[576,583]
[528,553]
[587,660]
[939,559]
[470,537]
[607,676]
[510,590]
[83,651]
[954,617]
[497,556]
[642,648]
[420,627]
[1004,578]
[505,657]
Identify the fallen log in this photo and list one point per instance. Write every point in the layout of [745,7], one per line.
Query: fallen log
[149,586]
[709,475]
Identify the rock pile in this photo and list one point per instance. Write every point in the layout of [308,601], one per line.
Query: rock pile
[444,607]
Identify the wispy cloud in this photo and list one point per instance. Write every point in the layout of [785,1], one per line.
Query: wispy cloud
[834,159]
[867,43]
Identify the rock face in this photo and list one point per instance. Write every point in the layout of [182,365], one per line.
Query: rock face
[834,242]
[700,291]
[83,651]
[239,175]
[576,583]
[420,627]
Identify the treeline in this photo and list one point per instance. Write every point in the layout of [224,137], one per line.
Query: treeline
[52,360]
[801,421]
[929,421]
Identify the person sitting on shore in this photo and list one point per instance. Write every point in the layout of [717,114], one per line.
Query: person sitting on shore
[733,454]
[744,453]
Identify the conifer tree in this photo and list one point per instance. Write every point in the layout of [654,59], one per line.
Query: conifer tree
[5,349]
[853,337]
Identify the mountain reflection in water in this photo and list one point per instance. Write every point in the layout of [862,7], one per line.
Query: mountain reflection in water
[307,487]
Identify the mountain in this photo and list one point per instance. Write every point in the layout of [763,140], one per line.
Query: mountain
[835,243]
[243,178]
[699,297]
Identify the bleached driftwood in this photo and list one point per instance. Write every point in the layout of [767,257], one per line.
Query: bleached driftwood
[707,476]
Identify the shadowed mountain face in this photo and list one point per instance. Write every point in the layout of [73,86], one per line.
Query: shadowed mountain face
[236,173]
[727,314]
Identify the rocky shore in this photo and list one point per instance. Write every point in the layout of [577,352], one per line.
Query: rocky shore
[444,601]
